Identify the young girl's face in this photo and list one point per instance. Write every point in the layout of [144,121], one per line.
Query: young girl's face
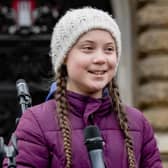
[91,63]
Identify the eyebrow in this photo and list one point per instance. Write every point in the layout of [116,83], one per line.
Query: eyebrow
[90,41]
[111,43]
[86,41]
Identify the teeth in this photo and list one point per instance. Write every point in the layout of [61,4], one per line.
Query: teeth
[99,72]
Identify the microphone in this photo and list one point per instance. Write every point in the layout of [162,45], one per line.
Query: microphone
[94,144]
[22,88]
[23,94]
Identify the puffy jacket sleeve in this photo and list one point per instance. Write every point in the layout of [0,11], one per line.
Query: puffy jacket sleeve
[150,153]
[33,151]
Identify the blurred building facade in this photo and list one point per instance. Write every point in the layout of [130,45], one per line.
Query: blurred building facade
[152,63]
[143,73]
[25,30]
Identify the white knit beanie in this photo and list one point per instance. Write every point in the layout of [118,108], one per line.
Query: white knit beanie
[75,23]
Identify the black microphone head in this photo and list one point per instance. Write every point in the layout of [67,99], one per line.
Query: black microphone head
[93,139]
[91,131]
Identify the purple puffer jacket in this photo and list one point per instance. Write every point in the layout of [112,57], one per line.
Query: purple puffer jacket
[41,145]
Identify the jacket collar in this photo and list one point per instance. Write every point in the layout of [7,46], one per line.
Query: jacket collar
[87,107]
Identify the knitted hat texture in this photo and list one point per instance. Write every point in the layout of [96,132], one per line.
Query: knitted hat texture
[75,23]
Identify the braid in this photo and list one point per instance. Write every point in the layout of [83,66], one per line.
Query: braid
[123,121]
[62,110]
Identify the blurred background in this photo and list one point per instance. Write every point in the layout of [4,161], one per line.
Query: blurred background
[25,31]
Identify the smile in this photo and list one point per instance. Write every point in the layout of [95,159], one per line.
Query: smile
[97,72]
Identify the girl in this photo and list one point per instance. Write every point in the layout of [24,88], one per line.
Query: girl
[85,51]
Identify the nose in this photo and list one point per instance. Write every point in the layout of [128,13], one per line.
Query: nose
[100,57]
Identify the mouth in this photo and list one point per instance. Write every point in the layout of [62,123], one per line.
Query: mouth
[98,72]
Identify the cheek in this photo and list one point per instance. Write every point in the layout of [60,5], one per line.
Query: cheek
[113,62]
[73,68]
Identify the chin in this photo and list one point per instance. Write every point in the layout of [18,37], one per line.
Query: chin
[96,89]
[99,86]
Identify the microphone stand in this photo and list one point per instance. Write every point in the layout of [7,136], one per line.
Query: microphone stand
[25,101]
[10,151]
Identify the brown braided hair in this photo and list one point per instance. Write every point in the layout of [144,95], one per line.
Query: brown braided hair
[123,121]
[62,110]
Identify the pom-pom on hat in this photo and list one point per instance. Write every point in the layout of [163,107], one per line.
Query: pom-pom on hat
[75,23]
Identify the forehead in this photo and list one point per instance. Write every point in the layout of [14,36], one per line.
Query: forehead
[96,34]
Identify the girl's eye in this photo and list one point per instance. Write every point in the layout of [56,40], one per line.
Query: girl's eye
[88,48]
[110,49]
